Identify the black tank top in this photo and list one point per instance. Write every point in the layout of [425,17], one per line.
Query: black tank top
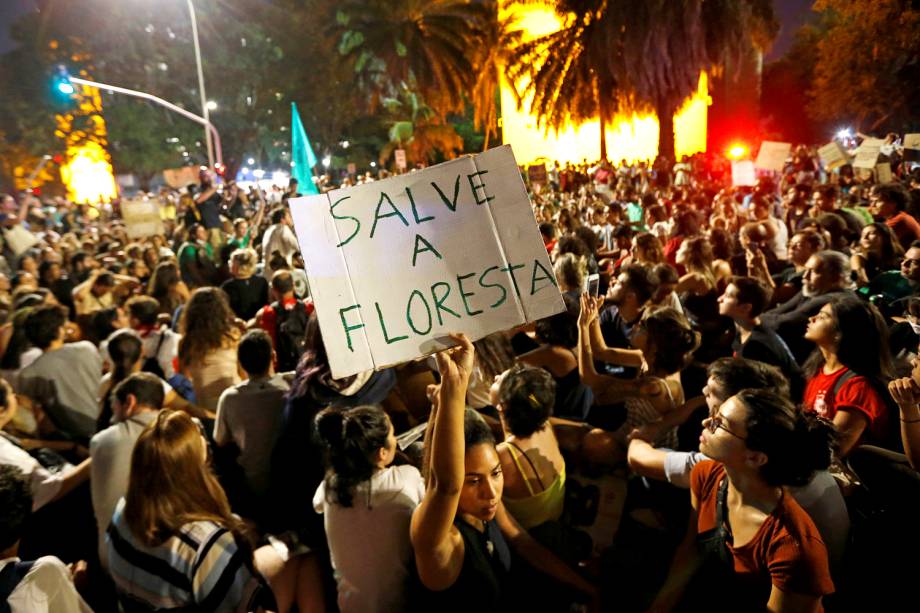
[480,585]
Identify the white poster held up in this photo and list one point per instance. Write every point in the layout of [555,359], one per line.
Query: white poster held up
[400,157]
[772,156]
[883,173]
[743,173]
[833,156]
[395,265]
[142,218]
[867,153]
[911,151]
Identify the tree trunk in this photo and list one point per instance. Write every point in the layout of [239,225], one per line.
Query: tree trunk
[666,132]
[603,126]
[485,142]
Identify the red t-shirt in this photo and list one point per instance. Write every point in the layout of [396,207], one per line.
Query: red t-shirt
[787,550]
[857,394]
[267,319]
[905,227]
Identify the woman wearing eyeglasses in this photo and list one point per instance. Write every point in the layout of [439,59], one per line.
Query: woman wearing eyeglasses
[749,544]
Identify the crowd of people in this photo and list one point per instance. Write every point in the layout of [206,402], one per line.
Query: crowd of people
[173,438]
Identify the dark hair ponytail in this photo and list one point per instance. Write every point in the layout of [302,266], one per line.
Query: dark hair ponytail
[125,348]
[796,443]
[352,438]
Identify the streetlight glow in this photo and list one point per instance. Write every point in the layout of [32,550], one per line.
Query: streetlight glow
[212,106]
[250,161]
[66,87]
[326,161]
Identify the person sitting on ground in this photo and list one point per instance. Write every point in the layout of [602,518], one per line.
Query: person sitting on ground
[848,372]
[65,378]
[763,550]
[877,251]
[570,272]
[44,585]
[666,342]
[744,300]
[906,394]
[168,288]
[207,351]
[461,531]
[249,413]
[627,298]
[136,400]
[246,291]
[821,497]
[889,203]
[285,320]
[827,274]
[173,541]
[534,490]
[665,295]
[98,291]
[367,504]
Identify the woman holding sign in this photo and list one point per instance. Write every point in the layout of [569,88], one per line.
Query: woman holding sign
[461,532]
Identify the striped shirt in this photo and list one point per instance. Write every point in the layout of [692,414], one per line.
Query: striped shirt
[201,568]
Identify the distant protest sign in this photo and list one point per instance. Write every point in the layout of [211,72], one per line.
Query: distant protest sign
[400,157]
[912,147]
[142,218]
[772,156]
[536,174]
[883,173]
[395,265]
[743,173]
[833,156]
[867,153]
[180,177]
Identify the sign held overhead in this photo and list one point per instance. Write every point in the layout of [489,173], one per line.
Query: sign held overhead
[395,265]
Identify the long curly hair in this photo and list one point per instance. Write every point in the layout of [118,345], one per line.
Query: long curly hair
[163,281]
[206,325]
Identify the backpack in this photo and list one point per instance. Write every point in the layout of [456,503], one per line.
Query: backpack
[152,364]
[290,326]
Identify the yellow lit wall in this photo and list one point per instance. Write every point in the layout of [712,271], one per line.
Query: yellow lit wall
[87,171]
[630,138]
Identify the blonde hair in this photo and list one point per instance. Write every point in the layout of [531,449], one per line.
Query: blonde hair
[245,260]
[170,483]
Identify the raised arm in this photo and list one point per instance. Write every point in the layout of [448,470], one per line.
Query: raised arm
[613,355]
[906,393]
[438,547]
[599,384]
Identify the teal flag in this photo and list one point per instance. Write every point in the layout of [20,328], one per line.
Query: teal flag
[302,155]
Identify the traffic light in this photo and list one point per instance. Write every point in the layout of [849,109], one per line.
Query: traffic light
[62,87]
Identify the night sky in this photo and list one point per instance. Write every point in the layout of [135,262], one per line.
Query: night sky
[791,13]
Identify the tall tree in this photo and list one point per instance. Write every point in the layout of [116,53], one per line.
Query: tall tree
[417,129]
[868,67]
[429,44]
[497,37]
[563,76]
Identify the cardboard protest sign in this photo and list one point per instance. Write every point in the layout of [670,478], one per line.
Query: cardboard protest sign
[395,265]
[180,177]
[772,155]
[883,173]
[536,174]
[911,151]
[19,240]
[743,173]
[867,153]
[833,155]
[142,218]
[400,157]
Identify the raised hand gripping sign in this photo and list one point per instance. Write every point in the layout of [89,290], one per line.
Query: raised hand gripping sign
[394,265]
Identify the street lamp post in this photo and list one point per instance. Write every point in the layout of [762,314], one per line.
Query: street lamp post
[204,97]
[208,126]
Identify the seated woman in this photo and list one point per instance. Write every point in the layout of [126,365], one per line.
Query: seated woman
[532,465]
[848,372]
[666,342]
[877,251]
[366,505]
[558,336]
[174,542]
[570,271]
[747,534]
[461,532]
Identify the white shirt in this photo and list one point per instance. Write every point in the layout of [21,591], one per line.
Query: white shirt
[46,588]
[369,541]
[44,484]
[281,238]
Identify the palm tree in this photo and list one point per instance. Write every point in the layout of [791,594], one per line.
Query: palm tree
[656,49]
[497,37]
[429,43]
[565,73]
[418,129]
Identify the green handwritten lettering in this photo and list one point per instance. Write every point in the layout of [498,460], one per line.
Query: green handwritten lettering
[479,186]
[354,219]
[345,325]
[465,295]
[511,268]
[383,327]
[451,204]
[439,301]
[395,213]
[546,275]
[415,293]
[415,210]
[483,284]
[428,247]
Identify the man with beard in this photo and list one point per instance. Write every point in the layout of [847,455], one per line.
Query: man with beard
[627,298]
[827,273]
